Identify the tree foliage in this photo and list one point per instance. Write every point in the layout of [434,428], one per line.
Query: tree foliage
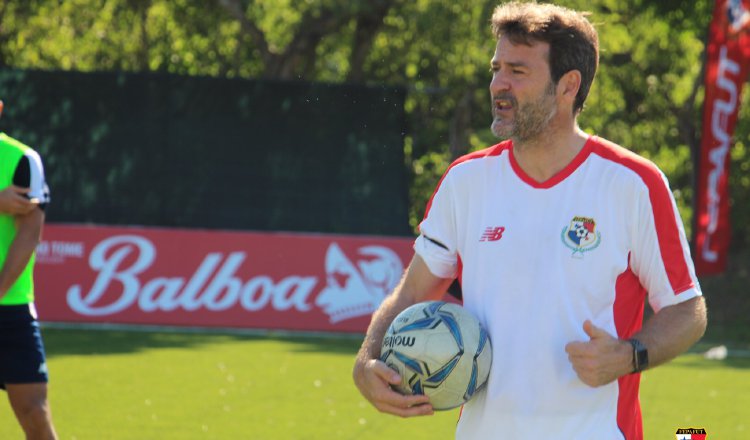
[647,94]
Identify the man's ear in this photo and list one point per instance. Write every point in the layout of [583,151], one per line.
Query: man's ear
[569,84]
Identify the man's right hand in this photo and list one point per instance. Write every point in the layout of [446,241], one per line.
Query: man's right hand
[13,201]
[373,378]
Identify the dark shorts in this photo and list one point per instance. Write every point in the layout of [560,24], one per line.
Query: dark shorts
[22,358]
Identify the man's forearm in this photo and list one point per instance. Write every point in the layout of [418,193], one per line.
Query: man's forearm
[673,330]
[418,284]
[380,322]
[604,358]
[13,201]
[20,251]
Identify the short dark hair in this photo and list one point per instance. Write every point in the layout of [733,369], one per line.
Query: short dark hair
[573,41]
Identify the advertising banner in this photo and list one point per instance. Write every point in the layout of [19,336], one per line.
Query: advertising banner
[200,278]
[727,63]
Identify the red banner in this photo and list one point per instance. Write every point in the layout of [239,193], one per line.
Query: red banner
[199,278]
[727,63]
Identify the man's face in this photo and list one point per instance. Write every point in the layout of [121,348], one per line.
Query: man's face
[523,95]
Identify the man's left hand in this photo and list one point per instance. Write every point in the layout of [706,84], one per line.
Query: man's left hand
[601,359]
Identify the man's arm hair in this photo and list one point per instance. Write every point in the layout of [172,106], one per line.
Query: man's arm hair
[673,330]
[418,284]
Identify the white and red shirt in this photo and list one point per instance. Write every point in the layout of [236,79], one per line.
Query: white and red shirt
[536,260]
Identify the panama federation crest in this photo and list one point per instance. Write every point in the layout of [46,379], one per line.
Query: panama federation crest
[581,236]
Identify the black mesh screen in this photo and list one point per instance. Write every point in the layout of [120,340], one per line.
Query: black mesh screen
[150,149]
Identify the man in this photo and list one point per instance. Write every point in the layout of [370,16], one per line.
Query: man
[23,369]
[582,232]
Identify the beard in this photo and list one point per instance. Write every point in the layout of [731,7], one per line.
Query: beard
[530,118]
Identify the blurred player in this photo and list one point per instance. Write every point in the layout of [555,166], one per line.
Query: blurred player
[23,368]
[557,237]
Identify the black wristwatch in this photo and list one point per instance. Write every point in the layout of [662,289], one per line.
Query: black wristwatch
[640,355]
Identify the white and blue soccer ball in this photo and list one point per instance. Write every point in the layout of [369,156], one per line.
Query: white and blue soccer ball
[439,349]
[580,230]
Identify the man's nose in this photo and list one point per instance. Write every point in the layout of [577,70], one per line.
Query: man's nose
[499,83]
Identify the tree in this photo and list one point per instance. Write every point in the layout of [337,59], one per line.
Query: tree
[647,94]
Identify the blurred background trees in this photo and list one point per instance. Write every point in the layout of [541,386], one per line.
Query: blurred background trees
[647,95]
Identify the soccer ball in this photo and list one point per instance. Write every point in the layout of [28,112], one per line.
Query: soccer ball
[440,350]
[581,231]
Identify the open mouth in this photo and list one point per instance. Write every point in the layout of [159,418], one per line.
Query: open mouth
[503,104]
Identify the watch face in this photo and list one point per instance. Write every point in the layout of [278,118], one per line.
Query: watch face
[642,358]
[640,355]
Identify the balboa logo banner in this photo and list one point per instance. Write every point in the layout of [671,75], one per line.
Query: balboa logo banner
[203,278]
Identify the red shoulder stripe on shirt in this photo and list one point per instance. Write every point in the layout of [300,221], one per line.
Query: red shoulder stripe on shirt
[494,150]
[667,229]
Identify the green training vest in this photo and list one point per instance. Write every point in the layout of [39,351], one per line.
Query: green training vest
[22,291]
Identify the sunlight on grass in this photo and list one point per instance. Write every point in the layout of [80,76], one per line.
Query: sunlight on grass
[691,392]
[126,385]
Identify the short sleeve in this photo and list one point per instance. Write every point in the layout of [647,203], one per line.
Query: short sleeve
[660,253]
[29,173]
[436,244]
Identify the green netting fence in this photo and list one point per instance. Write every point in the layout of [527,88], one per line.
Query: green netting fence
[165,150]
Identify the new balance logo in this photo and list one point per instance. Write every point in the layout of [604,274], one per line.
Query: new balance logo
[493,233]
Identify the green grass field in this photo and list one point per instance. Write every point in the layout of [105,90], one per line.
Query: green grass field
[165,385]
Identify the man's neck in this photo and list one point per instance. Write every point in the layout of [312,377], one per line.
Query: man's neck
[546,155]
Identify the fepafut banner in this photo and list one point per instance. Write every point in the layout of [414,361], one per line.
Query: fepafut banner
[96,274]
[727,63]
